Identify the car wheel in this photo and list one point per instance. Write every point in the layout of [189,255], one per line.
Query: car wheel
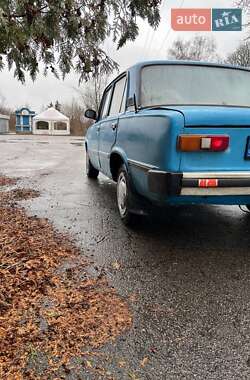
[125,197]
[248,207]
[90,170]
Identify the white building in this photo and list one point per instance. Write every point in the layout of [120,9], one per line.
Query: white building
[4,123]
[51,122]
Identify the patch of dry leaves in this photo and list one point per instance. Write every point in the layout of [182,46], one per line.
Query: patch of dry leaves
[18,195]
[46,305]
[5,181]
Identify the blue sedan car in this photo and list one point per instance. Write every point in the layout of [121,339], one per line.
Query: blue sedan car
[173,133]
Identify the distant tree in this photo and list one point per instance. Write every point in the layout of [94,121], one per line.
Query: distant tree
[50,105]
[241,56]
[198,48]
[75,111]
[245,5]
[68,34]
[58,106]
[6,110]
[3,106]
[91,92]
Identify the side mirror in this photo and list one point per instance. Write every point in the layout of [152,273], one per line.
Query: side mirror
[90,114]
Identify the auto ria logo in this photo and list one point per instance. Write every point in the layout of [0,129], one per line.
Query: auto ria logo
[202,19]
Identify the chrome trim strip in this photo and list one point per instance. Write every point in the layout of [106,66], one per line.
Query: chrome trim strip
[141,165]
[104,153]
[99,152]
[201,175]
[215,191]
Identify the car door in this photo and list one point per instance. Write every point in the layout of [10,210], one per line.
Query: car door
[109,125]
[94,130]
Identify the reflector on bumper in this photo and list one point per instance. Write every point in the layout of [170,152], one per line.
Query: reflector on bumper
[208,182]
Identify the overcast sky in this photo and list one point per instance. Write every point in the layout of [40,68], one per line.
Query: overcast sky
[149,45]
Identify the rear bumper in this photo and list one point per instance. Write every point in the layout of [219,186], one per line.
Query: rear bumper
[199,184]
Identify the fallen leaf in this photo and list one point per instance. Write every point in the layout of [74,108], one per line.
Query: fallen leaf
[88,364]
[133,297]
[116,265]
[122,363]
[144,361]
[133,376]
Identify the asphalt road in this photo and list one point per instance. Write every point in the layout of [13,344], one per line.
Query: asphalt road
[186,274]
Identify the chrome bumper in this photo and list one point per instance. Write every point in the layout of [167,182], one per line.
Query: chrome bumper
[189,183]
[229,183]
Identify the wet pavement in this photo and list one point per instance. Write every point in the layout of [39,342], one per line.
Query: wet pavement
[185,274]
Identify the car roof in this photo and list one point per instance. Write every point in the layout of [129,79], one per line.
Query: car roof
[134,72]
[141,64]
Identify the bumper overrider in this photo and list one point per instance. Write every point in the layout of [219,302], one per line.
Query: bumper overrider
[199,183]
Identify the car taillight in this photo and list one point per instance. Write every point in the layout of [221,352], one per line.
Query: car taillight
[195,143]
[219,143]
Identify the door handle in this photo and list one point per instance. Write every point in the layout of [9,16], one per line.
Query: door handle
[114,126]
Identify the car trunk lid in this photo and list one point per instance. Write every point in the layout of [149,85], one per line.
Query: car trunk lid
[212,121]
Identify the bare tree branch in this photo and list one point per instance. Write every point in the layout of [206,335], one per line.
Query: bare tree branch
[241,56]
[199,48]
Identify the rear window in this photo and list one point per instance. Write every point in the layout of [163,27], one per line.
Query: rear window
[194,85]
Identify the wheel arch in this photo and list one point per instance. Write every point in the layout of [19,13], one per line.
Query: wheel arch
[117,158]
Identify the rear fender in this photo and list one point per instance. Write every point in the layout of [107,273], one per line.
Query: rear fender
[116,151]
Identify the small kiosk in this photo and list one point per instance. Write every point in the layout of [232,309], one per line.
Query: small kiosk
[51,122]
[24,120]
[4,123]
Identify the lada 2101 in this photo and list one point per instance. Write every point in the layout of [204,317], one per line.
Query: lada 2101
[174,133]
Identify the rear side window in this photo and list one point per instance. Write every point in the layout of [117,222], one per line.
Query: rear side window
[105,103]
[117,97]
[124,98]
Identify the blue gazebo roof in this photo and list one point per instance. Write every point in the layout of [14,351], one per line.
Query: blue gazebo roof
[20,110]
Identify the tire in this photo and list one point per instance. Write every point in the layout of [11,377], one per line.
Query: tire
[90,170]
[125,198]
[248,207]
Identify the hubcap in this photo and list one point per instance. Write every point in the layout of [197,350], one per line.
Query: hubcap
[122,194]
